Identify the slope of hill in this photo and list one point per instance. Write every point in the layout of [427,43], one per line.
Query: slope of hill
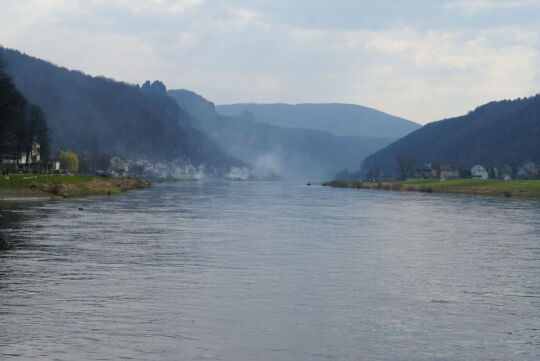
[497,133]
[95,114]
[292,153]
[338,119]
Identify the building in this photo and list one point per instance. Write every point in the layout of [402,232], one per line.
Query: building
[479,172]
[12,158]
[119,167]
[528,170]
[445,170]
[55,166]
[422,171]
[23,158]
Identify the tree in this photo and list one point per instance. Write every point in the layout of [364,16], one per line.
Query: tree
[506,170]
[406,165]
[12,106]
[94,162]
[23,130]
[465,173]
[69,161]
[373,173]
[34,133]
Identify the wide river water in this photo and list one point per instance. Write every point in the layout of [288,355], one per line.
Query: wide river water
[249,271]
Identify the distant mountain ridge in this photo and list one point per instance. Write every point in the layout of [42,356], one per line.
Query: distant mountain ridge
[290,152]
[494,134]
[97,115]
[336,118]
[91,115]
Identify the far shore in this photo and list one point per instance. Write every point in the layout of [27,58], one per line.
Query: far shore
[28,187]
[491,187]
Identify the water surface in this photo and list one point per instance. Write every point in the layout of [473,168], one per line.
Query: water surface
[271,271]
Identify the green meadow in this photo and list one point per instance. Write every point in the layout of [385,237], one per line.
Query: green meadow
[494,187]
[27,180]
[518,185]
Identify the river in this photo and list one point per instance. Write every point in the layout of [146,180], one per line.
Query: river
[271,271]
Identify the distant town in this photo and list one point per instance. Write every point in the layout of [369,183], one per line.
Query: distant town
[35,162]
[451,170]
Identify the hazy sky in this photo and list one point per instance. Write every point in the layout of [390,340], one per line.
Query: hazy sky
[423,60]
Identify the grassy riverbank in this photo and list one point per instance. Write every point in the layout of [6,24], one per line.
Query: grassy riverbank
[56,186]
[493,187]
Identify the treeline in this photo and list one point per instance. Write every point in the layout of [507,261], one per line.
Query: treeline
[498,134]
[23,127]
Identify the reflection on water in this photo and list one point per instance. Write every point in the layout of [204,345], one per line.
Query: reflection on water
[272,271]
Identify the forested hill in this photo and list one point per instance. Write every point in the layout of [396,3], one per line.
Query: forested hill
[338,119]
[292,153]
[498,133]
[93,114]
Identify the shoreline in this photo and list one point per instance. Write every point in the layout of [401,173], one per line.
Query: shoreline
[516,188]
[19,188]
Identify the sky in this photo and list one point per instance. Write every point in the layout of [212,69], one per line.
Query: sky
[423,60]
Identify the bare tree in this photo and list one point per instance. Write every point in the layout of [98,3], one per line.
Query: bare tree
[405,165]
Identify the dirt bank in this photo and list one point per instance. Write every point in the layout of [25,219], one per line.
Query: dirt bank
[44,188]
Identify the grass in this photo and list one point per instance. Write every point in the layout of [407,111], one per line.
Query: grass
[495,184]
[21,185]
[26,180]
[494,187]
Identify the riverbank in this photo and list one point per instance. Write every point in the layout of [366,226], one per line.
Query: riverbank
[28,187]
[492,187]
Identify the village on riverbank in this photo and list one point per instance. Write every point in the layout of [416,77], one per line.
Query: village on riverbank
[452,177]
[31,176]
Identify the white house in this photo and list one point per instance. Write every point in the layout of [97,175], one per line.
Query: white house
[55,166]
[479,172]
[22,157]
[12,159]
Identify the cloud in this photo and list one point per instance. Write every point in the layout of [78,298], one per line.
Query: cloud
[476,6]
[422,61]
[155,6]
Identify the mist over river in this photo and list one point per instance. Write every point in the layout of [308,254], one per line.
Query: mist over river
[270,271]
